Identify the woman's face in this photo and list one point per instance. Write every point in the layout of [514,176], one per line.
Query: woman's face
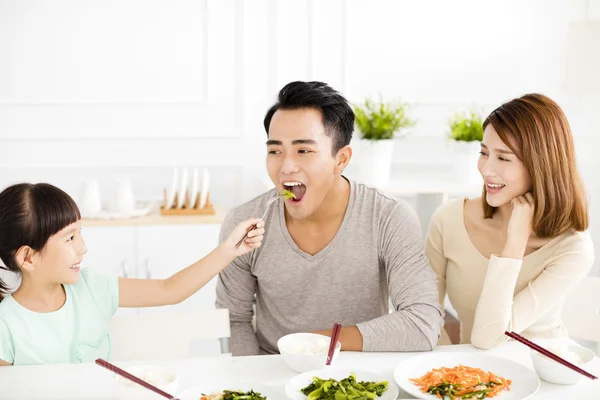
[504,174]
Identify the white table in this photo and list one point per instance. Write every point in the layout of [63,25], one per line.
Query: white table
[89,381]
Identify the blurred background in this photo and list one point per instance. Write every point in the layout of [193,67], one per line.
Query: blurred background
[125,91]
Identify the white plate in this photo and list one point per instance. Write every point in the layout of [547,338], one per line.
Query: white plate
[195,392]
[294,386]
[182,188]
[205,184]
[194,189]
[141,209]
[172,190]
[525,381]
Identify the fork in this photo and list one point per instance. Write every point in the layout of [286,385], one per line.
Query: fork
[271,201]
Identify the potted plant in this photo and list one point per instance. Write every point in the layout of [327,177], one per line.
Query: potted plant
[378,123]
[466,133]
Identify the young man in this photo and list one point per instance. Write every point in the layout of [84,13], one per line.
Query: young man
[335,253]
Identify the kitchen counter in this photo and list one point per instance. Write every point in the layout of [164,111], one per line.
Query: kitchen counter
[154,218]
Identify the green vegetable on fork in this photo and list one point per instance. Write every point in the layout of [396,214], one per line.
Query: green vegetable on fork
[288,194]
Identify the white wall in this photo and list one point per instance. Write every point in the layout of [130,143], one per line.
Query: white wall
[102,89]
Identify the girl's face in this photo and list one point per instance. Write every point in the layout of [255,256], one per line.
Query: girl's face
[60,259]
[504,173]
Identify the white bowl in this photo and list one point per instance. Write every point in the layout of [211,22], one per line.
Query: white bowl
[152,374]
[553,371]
[304,352]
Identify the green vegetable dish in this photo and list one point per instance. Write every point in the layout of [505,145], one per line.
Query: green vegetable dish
[346,389]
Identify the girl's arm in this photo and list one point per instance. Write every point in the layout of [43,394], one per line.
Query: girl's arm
[4,363]
[159,292]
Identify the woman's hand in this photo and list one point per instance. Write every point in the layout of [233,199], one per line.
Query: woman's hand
[519,227]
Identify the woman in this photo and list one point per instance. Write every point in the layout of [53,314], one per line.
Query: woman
[508,259]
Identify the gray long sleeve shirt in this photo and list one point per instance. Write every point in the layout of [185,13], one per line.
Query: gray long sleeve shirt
[376,255]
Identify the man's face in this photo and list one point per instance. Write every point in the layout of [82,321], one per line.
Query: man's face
[299,159]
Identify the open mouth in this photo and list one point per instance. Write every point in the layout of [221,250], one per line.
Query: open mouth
[75,267]
[298,188]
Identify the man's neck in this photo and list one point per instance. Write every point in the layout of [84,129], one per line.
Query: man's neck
[333,207]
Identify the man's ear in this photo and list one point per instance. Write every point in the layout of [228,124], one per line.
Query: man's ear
[26,258]
[342,158]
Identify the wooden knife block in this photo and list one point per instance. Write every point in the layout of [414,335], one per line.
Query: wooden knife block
[187,209]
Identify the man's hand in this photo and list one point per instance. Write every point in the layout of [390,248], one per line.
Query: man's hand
[350,337]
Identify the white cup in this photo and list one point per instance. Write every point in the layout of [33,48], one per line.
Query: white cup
[90,202]
[124,200]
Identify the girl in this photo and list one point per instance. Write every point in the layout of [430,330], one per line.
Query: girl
[508,258]
[59,313]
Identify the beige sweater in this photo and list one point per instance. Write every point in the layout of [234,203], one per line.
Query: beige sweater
[497,294]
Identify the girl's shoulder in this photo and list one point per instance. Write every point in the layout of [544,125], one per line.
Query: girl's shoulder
[98,289]
[8,307]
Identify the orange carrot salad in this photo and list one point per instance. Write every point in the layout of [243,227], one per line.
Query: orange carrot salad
[461,382]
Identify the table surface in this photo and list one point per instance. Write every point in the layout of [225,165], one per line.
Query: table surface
[89,381]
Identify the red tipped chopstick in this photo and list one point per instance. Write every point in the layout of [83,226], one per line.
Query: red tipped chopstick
[125,374]
[335,334]
[549,354]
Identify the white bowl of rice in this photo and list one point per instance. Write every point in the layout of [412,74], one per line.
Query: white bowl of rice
[553,371]
[305,352]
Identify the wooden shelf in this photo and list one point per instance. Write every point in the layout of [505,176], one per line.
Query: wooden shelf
[155,218]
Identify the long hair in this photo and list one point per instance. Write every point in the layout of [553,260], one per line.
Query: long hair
[535,128]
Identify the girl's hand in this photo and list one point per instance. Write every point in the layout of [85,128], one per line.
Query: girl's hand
[253,241]
[519,227]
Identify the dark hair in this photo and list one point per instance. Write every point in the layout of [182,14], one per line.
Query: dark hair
[535,128]
[338,117]
[29,215]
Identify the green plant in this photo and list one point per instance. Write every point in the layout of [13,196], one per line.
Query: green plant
[380,121]
[467,127]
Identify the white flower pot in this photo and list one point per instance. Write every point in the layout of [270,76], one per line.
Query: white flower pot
[466,156]
[376,162]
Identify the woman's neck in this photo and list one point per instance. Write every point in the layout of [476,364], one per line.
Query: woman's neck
[40,297]
[503,213]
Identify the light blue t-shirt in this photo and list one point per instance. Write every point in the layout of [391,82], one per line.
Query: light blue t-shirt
[77,332]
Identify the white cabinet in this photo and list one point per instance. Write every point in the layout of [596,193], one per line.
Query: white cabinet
[163,250]
[153,251]
[112,251]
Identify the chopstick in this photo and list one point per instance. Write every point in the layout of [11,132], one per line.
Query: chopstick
[333,343]
[549,354]
[125,374]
